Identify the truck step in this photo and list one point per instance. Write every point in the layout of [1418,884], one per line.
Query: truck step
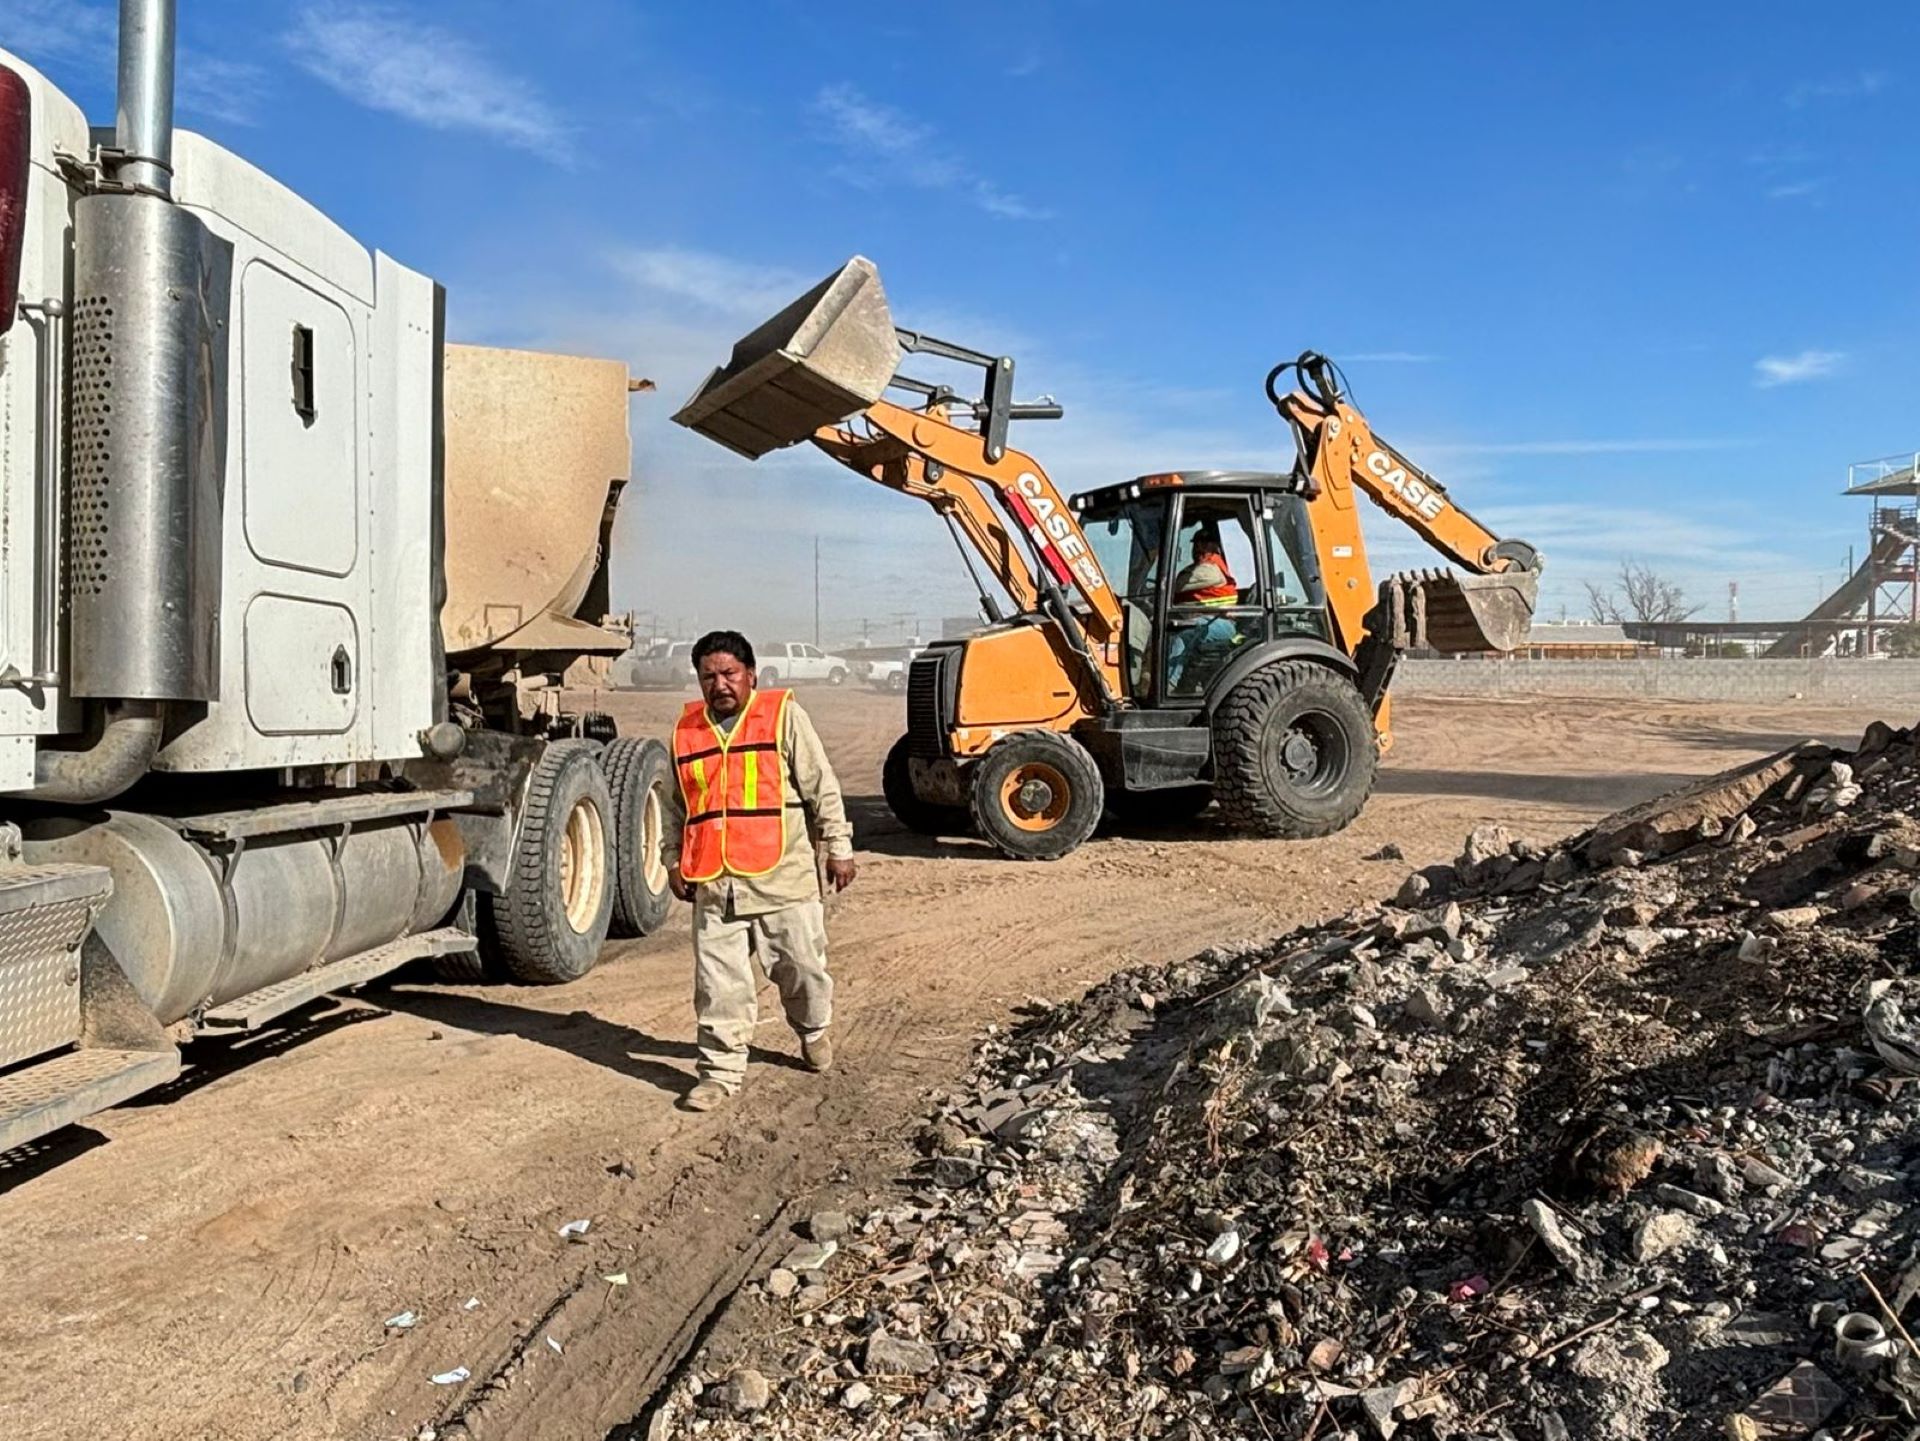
[39,1099]
[258,1007]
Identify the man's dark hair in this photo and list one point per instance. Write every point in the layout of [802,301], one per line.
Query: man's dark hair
[724,642]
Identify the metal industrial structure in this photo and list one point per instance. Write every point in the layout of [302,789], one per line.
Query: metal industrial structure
[1880,595]
[287,589]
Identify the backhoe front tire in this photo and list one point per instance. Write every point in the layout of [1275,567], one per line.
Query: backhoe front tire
[923,818]
[1294,752]
[638,774]
[1036,795]
[550,925]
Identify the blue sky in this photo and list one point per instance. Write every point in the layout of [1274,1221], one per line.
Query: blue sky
[1634,281]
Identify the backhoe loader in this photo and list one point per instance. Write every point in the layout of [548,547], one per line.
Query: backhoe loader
[1177,639]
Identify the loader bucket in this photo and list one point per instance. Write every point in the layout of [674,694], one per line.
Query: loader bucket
[1468,614]
[827,355]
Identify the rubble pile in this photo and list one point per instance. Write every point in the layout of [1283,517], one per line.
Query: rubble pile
[1608,1141]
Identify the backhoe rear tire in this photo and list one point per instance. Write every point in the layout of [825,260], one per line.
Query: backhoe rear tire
[638,774]
[550,925]
[1036,795]
[1294,752]
[923,818]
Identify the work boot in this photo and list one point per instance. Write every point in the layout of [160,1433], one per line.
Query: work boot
[707,1096]
[817,1053]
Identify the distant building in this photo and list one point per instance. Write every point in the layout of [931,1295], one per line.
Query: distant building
[1582,641]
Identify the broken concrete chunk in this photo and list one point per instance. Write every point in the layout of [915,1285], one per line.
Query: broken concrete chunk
[1664,824]
[746,1392]
[1689,1201]
[1428,1007]
[1559,1245]
[1794,918]
[824,1226]
[890,1355]
[810,1256]
[1661,1234]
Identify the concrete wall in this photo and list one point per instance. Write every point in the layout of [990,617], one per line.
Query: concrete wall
[1896,682]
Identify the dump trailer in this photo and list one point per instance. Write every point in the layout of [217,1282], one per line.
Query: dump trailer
[288,589]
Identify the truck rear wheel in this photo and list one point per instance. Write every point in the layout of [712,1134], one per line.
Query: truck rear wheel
[638,774]
[923,818]
[550,925]
[1036,795]
[1294,752]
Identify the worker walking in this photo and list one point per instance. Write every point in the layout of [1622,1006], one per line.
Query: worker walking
[752,774]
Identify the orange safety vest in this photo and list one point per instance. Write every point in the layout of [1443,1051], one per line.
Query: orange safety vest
[734,787]
[1225,593]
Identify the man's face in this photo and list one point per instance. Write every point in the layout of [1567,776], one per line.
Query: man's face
[726,682]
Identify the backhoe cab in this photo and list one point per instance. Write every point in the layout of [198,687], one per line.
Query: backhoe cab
[1175,640]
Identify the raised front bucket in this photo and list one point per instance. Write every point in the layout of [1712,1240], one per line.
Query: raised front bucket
[827,355]
[1466,614]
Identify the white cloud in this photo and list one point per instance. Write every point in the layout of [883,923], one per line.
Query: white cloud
[423,73]
[886,146]
[713,282]
[1772,370]
[85,35]
[1797,190]
[1653,446]
[1858,86]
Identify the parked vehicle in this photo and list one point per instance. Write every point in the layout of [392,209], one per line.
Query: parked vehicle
[664,664]
[885,667]
[790,663]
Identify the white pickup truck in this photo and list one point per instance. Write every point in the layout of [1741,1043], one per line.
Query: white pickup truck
[790,662]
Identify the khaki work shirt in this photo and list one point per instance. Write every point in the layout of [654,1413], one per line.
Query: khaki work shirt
[796,879]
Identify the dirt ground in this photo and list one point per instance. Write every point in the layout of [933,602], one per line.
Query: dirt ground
[218,1259]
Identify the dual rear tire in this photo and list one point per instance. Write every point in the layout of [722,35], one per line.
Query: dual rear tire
[586,865]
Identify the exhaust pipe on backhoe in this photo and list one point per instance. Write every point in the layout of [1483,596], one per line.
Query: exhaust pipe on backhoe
[825,357]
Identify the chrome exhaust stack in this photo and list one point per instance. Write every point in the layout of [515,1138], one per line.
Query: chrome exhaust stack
[143,114]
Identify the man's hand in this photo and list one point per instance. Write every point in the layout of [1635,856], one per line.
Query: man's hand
[679,884]
[841,873]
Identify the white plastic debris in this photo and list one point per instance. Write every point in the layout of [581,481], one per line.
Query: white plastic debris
[405,1321]
[472,1304]
[618,1278]
[556,1346]
[575,1229]
[1224,1248]
[453,1377]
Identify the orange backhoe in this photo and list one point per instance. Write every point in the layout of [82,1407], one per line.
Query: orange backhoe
[1178,639]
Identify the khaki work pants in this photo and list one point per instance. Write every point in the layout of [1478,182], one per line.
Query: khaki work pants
[790,945]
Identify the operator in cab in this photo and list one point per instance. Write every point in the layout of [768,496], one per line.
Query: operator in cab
[1205,582]
[753,777]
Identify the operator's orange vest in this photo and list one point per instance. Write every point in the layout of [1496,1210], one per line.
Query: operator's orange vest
[1225,593]
[735,789]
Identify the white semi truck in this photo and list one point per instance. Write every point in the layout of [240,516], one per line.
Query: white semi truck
[287,585]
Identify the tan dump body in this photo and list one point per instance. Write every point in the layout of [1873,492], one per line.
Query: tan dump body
[537,449]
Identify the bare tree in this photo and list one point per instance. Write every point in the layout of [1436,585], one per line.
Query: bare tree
[1638,593]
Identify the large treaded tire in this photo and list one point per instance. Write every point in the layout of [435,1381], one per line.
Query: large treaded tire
[923,818]
[1006,786]
[638,774]
[533,930]
[1294,752]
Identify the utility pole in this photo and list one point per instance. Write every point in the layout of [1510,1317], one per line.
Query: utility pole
[1733,601]
[816,592]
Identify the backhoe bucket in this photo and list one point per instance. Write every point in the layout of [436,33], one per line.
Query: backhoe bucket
[827,355]
[1464,614]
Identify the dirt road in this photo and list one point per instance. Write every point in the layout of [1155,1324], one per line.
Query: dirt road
[218,1261]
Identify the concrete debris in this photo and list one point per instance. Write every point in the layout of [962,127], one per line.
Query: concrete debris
[746,1392]
[1555,1145]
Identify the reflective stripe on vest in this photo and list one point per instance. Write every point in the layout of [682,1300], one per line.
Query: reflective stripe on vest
[734,787]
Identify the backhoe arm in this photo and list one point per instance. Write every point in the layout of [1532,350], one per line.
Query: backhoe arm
[923,454]
[1489,610]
